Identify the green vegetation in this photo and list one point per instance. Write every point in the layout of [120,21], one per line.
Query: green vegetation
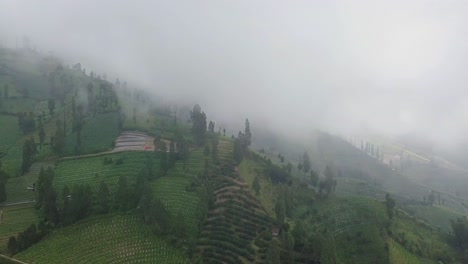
[15,219]
[105,239]
[93,170]
[97,135]
[200,197]
[177,198]
[399,255]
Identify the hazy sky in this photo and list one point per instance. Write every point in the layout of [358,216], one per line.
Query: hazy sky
[389,66]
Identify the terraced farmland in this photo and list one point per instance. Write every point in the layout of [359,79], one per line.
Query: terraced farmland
[399,255]
[104,239]
[15,219]
[133,140]
[235,220]
[339,215]
[93,171]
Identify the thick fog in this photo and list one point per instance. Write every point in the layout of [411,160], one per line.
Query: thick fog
[393,67]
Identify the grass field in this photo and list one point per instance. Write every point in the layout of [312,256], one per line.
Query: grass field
[104,239]
[399,255]
[16,219]
[93,171]
[97,134]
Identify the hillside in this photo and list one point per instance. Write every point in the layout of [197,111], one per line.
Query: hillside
[100,172]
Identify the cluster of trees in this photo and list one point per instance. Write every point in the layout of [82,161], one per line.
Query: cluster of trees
[304,165]
[5,94]
[27,238]
[431,198]
[284,205]
[460,232]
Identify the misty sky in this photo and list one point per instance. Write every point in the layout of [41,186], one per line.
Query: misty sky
[344,66]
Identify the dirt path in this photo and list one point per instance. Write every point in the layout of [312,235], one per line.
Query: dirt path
[18,203]
[8,259]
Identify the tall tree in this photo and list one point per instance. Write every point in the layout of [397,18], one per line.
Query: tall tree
[280,210]
[6,91]
[3,180]
[103,198]
[256,185]
[51,106]
[12,246]
[314,178]
[198,125]
[330,182]
[58,140]
[306,162]
[42,136]
[248,134]
[123,195]
[390,205]
[29,153]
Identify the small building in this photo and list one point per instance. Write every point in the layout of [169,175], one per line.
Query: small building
[276,231]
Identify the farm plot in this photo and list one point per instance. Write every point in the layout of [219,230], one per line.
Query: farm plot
[225,148]
[104,239]
[97,135]
[132,140]
[338,216]
[93,170]
[9,131]
[9,135]
[233,223]
[173,193]
[15,219]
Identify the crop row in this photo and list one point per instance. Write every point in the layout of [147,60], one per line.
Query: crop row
[93,170]
[109,239]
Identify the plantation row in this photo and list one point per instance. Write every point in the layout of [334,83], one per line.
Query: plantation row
[106,239]
[234,221]
[399,255]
